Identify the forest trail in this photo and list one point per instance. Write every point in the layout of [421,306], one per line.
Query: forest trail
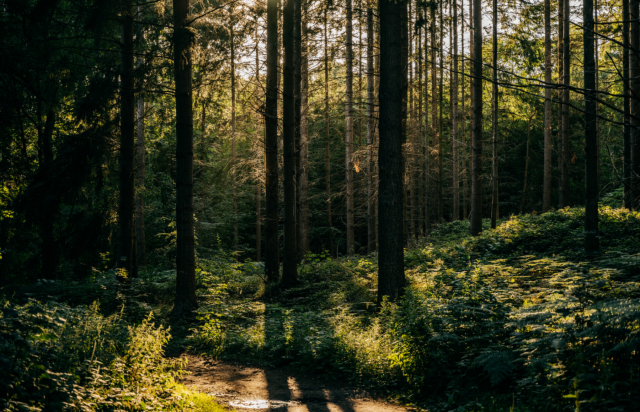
[246,388]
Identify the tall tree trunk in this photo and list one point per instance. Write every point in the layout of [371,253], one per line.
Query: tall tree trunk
[258,138]
[303,171]
[420,136]
[546,190]
[427,45]
[297,99]
[465,188]
[371,222]
[560,91]
[409,158]
[141,251]
[272,243]
[634,83]
[441,122]
[627,127]
[391,278]
[233,134]
[327,152]
[526,162]
[349,131]
[126,252]
[404,33]
[434,93]
[476,135]
[289,264]
[454,116]
[591,143]
[494,120]
[564,172]
[185,257]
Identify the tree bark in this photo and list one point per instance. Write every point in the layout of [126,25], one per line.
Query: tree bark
[272,243]
[349,131]
[626,103]
[332,250]
[454,120]
[233,133]
[634,83]
[126,245]
[564,172]
[391,278]
[494,121]
[371,222]
[441,122]
[526,162]
[465,169]
[183,39]
[560,91]
[258,138]
[434,97]
[303,171]
[141,251]
[591,143]
[476,137]
[427,45]
[404,33]
[297,99]
[546,190]
[289,263]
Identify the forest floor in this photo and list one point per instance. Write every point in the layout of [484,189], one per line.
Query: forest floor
[242,387]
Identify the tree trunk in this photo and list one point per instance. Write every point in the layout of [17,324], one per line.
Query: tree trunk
[560,91]
[627,129]
[526,162]
[185,257]
[297,99]
[476,134]
[454,121]
[546,190]
[427,45]
[440,122]
[465,170]
[289,263]
[591,143]
[371,222]
[494,121]
[564,188]
[410,189]
[303,172]
[420,137]
[258,138]
[634,72]
[141,251]
[125,254]
[327,152]
[272,243]
[404,33]
[349,131]
[391,278]
[233,135]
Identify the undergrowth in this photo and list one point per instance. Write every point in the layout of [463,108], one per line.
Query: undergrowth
[518,318]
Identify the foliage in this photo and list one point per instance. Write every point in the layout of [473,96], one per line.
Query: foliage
[519,317]
[54,357]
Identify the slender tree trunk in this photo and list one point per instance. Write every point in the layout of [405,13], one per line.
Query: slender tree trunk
[564,189]
[349,131]
[476,136]
[126,252]
[494,121]
[141,252]
[591,143]
[420,137]
[371,222]
[454,116]
[546,190]
[404,33]
[634,83]
[233,135]
[427,45]
[434,93]
[391,278]
[327,152]
[627,127]
[185,257]
[297,76]
[303,172]
[526,162]
[259,132]
[289,264]
[560,91]
[465,188]
[409,158]
[441,122]
[272,244]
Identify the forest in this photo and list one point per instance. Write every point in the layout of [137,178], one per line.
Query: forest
[357,205]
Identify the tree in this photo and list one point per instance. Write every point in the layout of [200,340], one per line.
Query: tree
[349,131]
[591,143]
[494,120]
[454,119]
[546,191]
[303,170]
[476,124]
[272,248]
[634,83]
[126,245]
[183,38]
[626,159]
[391,278]
[371,223]
[564,139]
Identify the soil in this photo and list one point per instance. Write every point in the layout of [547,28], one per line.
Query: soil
[246,388]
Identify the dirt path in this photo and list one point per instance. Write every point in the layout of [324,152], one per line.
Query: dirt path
[254,389]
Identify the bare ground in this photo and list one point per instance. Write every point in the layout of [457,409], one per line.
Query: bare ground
[246,388]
